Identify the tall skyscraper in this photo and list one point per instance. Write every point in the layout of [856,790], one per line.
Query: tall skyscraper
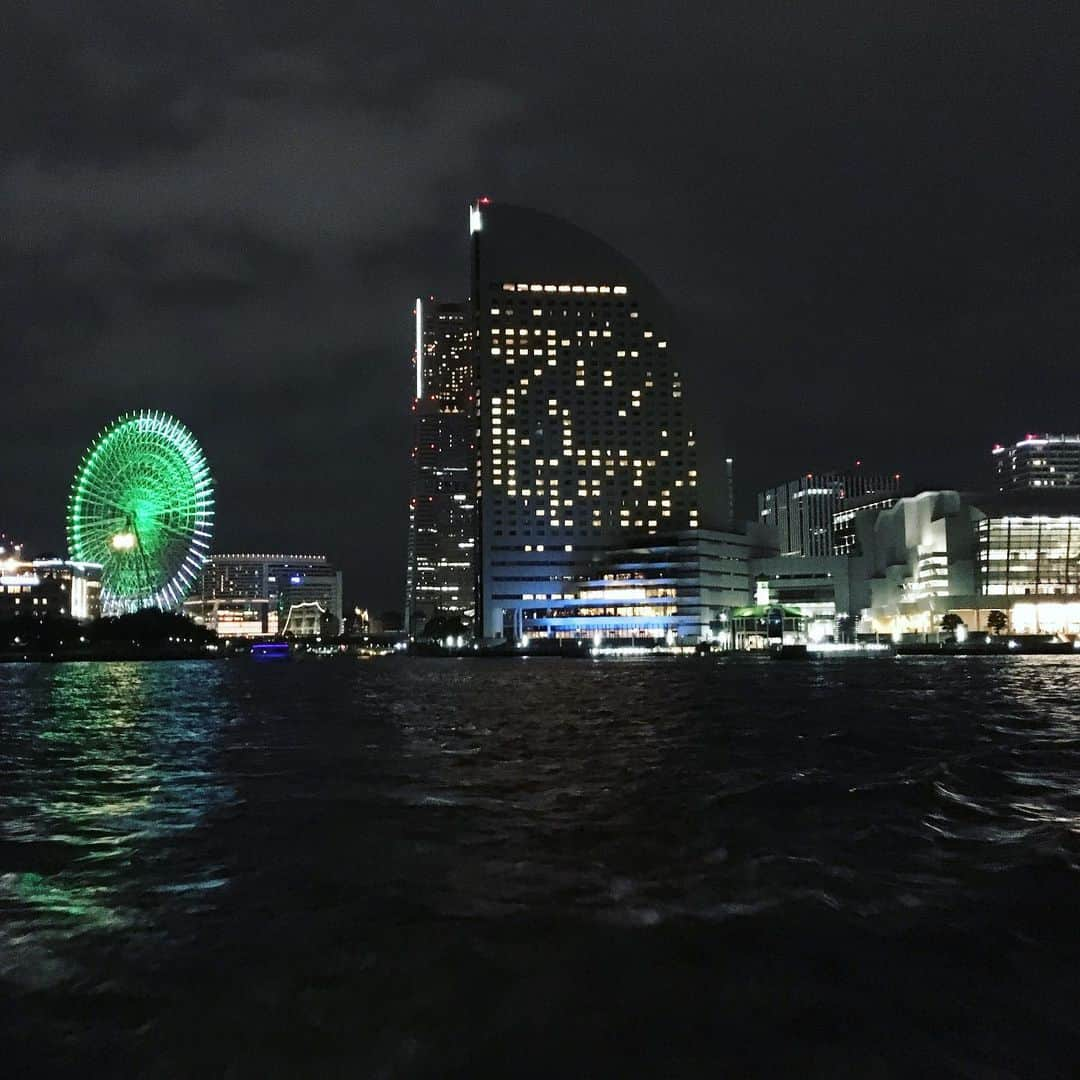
[1038,461]
[440,574]
[802,511]
[583,442]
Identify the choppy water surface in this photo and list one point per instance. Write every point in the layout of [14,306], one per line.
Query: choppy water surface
[540,868]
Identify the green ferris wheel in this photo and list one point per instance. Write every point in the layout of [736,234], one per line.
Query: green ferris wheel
[142,505]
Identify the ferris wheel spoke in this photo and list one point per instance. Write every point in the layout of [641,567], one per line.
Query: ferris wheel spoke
[92,489]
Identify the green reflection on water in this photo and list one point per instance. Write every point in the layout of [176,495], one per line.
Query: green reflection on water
[111,765]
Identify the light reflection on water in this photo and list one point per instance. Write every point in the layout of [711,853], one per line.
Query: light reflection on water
[407,866]
[104,763]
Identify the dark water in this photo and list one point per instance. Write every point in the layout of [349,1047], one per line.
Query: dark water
[541,868]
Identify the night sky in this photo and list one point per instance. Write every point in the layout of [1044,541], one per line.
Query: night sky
[865,219]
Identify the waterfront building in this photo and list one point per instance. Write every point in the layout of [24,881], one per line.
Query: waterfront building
[829,591]
[756,627]
[1038,461]
[680,587]
[308,618]
[803,511]
[584,447]
[250,595]
[440,574]
[940,552]
[1028,559]
[42,587]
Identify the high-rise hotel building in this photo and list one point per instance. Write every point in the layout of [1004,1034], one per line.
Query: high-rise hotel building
[440,573]
[583,445]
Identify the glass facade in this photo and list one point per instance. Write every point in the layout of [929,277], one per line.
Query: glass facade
[1029,556]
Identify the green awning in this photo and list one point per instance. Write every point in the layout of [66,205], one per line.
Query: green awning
[759,611]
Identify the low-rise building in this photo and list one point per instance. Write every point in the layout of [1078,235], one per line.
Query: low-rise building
[679,587]
[42,587]
[829,591]
[944,552]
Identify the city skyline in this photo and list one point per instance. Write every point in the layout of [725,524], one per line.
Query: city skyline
[233,224]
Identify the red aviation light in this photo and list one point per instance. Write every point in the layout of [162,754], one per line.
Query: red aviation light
[484,201]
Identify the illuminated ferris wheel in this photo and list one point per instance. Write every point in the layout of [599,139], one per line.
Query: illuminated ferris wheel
[142,505]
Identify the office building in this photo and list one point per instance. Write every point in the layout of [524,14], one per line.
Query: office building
[251,595]
[802,511]
[42,587]
[584,448]
[1038,461]
[845,537]
[440,574]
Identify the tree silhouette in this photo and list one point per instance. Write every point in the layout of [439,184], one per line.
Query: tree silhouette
[997,621]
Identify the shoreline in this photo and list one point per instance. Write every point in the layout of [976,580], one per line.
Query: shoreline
[154,653]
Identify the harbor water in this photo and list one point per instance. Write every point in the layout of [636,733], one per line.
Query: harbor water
[461,868]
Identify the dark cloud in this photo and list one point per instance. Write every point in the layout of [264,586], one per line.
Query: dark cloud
[864,214]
